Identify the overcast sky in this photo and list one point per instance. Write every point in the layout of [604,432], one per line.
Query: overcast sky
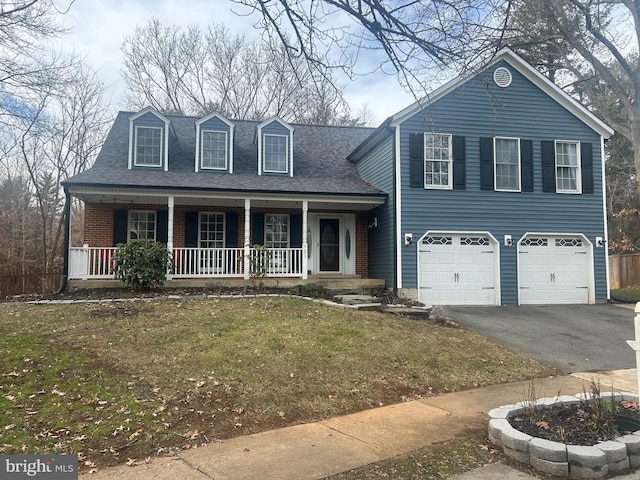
[98,28]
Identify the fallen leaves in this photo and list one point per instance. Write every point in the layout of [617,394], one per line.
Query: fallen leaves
[542,424]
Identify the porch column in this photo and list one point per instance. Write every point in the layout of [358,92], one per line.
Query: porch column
[247,234]
[171,203]
[305,246]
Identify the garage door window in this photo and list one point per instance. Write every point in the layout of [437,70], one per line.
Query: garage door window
[535,242]
[478,241]
[437,241]
[568,242]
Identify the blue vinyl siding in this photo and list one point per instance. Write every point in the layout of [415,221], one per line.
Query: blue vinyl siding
[478,109]
[377,169]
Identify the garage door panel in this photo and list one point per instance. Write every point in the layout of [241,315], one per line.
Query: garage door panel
[457,269]
[553,270]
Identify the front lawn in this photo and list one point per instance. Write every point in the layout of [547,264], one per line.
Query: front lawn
[117,381]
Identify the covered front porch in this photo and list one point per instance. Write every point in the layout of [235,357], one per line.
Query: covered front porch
[226,236]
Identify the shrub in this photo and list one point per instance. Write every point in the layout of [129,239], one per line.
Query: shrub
[313,290]
[141,264]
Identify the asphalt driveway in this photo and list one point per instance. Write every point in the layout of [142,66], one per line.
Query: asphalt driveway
[570,338]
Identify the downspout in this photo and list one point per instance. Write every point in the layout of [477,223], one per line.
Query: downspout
[394,146]
[67,240]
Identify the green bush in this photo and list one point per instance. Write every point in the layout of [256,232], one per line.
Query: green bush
[313,290]
[141,264]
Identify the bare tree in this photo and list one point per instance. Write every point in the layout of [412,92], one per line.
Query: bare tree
[59,139]
[594,46]
[188,72]
[53,120]
[412,39]
[26,65]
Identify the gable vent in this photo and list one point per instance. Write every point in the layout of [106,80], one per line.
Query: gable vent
[502,77]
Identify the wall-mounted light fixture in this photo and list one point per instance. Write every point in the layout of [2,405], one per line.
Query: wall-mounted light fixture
[374,223]
[508,241]
[600,241]
[408,238]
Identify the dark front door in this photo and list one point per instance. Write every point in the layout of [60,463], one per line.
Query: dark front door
[329,245]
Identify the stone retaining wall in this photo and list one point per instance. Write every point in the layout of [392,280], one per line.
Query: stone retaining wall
[556,458]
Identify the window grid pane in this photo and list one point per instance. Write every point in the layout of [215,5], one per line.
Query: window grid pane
[437,152]
[275,153]
[507,164]
[567,166]
[148,146]
[214,150]
[211,230]
[142,225]
[276,232]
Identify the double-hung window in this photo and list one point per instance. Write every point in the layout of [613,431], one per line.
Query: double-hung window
[438,161]
[275,150]
[211,230]
[142,225]
[276,231]
[507,164]
[568,176]
[148,149]
[213,150]
[211,237]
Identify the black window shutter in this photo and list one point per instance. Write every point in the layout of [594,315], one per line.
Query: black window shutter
[191,229]
[231,233]
[486,163]
[416,165]
[526,164]
[548,166]
[120,226]
[459,163]
[257,229]
[296,231]
[586,157]
[162,226]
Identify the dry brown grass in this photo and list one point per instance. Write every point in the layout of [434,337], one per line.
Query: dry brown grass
[117,381]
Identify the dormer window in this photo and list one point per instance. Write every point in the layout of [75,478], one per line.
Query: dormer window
[275,147]
[149,134]
[213,153]
[148,149]
[275,156]
[214,144]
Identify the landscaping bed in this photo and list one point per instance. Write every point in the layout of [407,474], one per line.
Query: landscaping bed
[569,436]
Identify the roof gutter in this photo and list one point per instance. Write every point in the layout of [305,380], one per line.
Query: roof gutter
[371,141]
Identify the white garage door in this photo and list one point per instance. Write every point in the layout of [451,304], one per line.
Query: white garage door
[554,269]
[458,269]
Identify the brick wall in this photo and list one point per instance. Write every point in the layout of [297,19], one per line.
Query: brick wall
[98,225]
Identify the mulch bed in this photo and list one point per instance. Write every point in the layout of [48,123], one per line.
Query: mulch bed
[578,424]
[127,293]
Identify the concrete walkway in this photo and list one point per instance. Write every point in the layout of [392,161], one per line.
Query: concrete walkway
[317,450]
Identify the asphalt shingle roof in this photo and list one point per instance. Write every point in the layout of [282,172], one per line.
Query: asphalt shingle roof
[320,162]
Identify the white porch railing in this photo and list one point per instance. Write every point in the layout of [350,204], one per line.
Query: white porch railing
[95,262]
[275,262]
[208,262]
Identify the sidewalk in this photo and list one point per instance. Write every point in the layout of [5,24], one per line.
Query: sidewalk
[316,450]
